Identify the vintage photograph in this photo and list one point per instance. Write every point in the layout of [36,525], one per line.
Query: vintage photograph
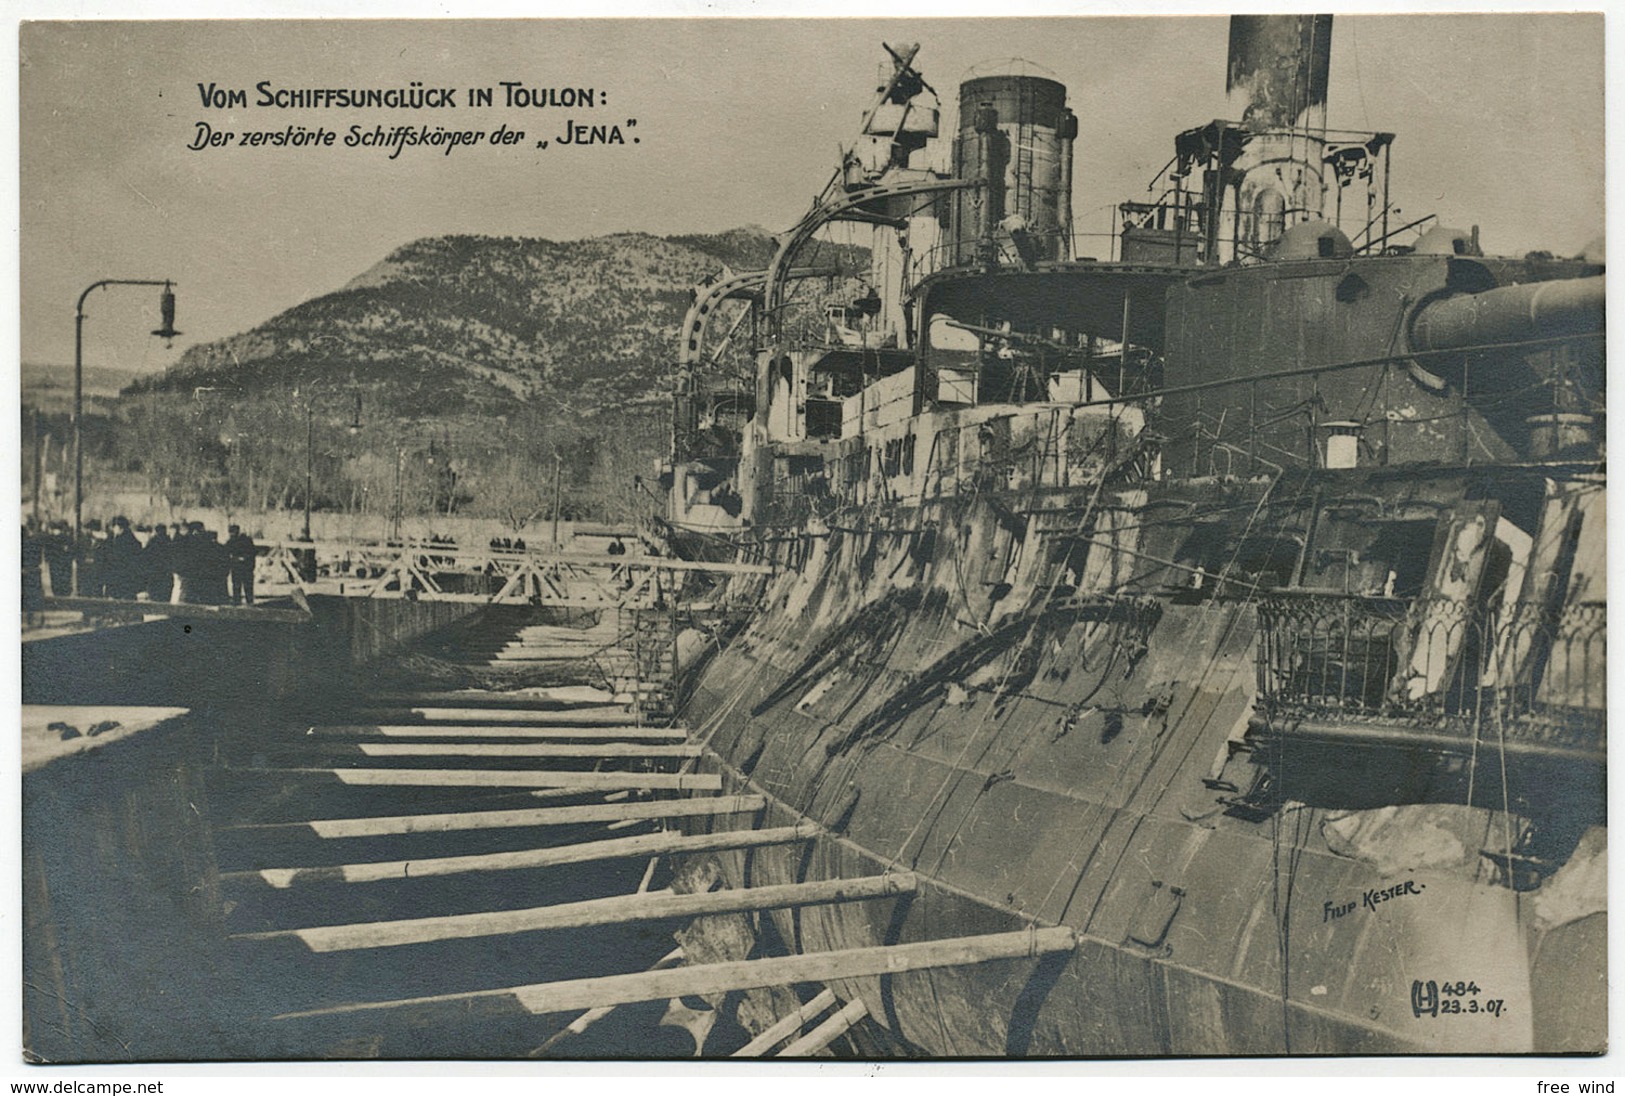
[912,539]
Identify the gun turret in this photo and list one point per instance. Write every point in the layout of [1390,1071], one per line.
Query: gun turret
[1511,314]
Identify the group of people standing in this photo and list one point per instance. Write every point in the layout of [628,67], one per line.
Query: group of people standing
[181,562]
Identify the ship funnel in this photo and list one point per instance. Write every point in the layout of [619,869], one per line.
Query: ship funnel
[1015,137]
[1277,85]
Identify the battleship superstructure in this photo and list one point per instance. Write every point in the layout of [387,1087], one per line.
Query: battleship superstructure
[1237,602]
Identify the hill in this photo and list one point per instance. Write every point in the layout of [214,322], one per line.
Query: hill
[478,365]
[468,324]
[50,387]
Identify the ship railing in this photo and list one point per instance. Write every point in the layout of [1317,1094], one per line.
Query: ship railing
[999,250]
[1251,424]
[1038,446]
[1057,246]
[1180,222]
[1232,431]
[421,570]
[1540,672]
[799,496]
[1170,228]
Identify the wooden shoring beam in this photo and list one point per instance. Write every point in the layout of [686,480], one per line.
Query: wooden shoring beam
[553,648]
[509,778]
[788,1026]
[743,974]
[547,650]
[515,579]
[447,730]
[618,910]
[106,606]
[827,1032]
[552,637]
[593,716]
[477,698]
[605,750]
[392,825]
[551,857]
[592,1016]
[552,602]
[550,794]
[549,578]
[665,564]
[376,592]
[638,589]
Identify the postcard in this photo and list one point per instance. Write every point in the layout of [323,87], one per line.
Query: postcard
[831,539]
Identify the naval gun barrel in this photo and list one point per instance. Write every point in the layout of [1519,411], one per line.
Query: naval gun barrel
[1514,313]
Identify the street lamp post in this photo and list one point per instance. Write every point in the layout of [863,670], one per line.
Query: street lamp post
[400,499]
[166,330]
[310,438]
[558,464]
[39,468]
[353,427]
[307,556]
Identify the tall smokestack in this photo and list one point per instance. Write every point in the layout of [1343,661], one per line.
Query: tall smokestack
[1278,70]
[1277,86]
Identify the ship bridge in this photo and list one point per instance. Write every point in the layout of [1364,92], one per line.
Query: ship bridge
[1120,301]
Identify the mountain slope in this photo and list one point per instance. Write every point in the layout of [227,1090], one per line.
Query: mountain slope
[460,324]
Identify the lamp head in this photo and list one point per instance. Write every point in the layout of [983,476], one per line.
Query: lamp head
[166,312]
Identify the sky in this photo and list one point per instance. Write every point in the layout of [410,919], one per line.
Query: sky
[738,122]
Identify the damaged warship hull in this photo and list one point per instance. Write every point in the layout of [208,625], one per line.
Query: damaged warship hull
[1070,764]
[1237,605]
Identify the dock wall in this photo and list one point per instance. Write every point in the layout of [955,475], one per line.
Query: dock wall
[379,628]
[122,942]
[123,922]
[203,663]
